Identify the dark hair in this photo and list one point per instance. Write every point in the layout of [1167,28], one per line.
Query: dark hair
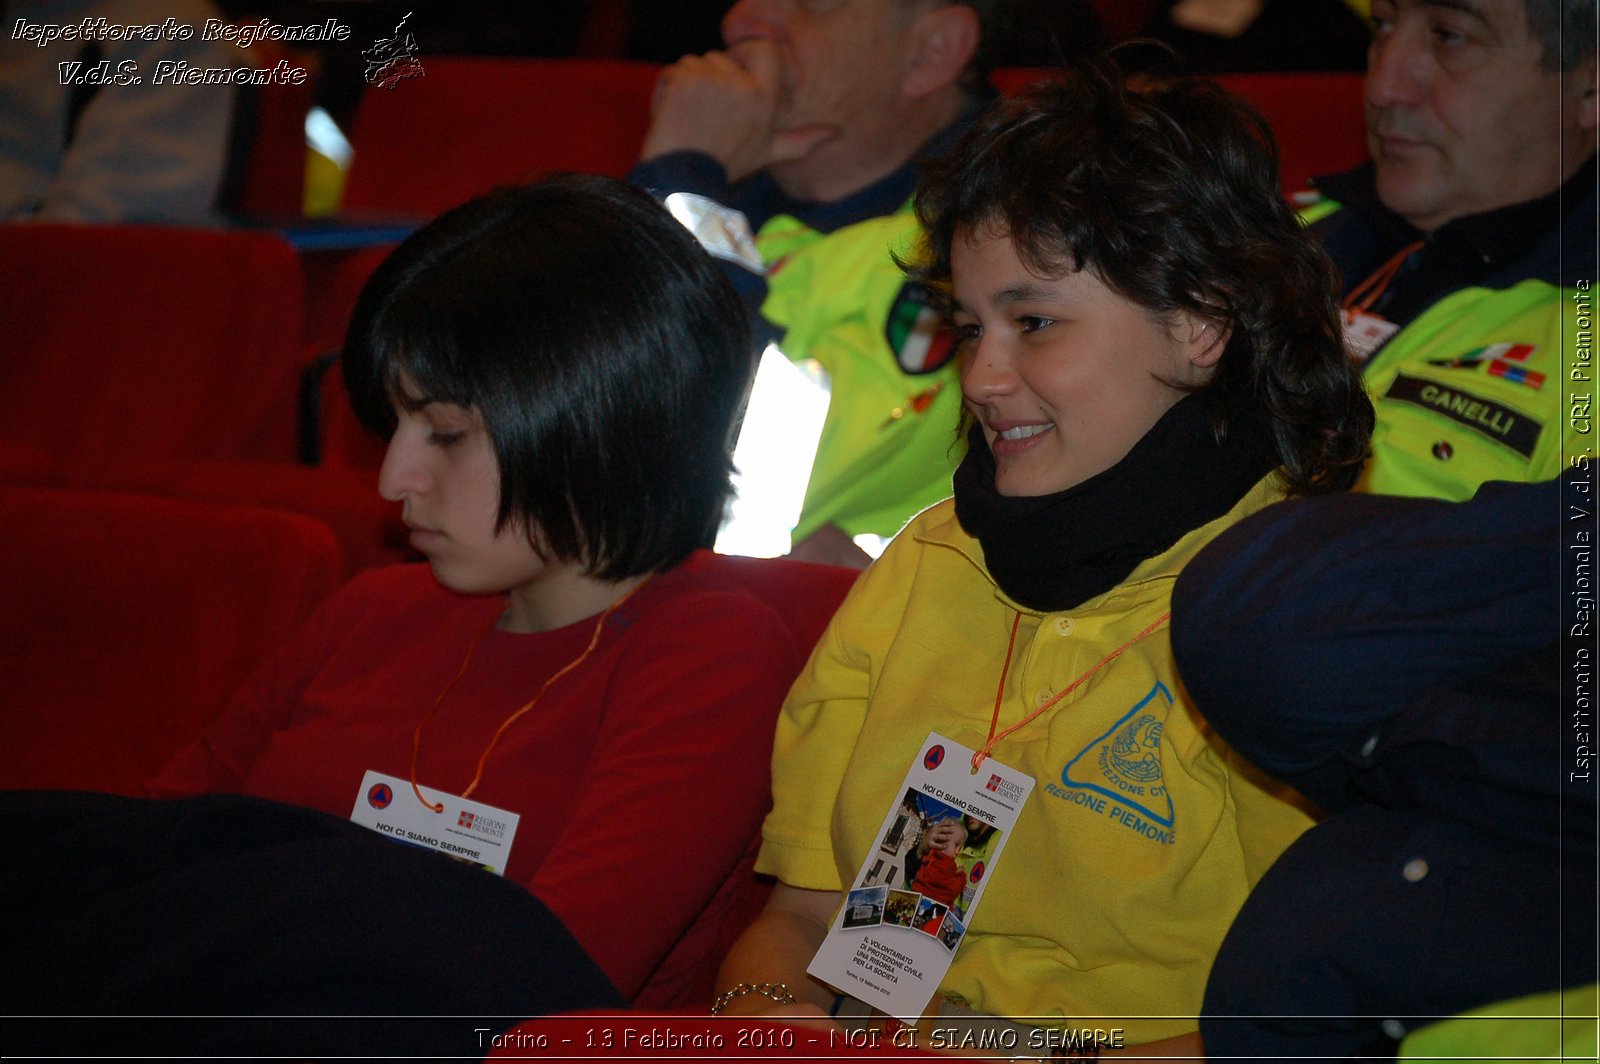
[1168,193]
[606,353]
[1565,30]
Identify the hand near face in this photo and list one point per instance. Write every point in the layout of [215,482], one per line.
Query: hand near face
[727,105]
[947,835]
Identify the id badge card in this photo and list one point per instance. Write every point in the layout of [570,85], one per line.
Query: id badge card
[908,908]
[469,831]
[1364,333]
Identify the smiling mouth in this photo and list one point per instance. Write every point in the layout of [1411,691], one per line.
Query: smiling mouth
[1022,432]
[1015,440]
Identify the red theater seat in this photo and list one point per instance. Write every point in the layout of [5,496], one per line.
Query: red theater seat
[168,361]
[337,439]
[28,466]
[128,622]
[805,596]
[135,343]
[1316,118]
[267,164]
[344,499]
[471,124]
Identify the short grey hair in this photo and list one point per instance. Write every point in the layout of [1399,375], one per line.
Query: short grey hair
[1565,30]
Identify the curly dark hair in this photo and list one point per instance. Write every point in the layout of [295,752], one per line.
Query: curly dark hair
[1167,191]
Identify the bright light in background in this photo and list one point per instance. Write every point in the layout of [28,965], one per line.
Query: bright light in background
[870,543]
[324,135]
[328,157]
[777,445]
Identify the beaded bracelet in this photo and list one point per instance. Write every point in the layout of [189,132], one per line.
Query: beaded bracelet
[777,992]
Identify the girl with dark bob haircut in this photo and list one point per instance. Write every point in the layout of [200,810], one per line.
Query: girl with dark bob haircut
[1149,352]
[558,368]
[590,342]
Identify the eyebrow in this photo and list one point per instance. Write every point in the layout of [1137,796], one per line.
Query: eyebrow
[1467,7]
[1023,293]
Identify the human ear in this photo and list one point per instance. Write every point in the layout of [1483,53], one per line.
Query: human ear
[1203,341]
[943,40]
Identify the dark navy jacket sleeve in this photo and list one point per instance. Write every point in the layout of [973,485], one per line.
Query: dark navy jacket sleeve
[1304,628]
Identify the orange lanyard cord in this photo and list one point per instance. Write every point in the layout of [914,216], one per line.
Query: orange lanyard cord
[416,736]
[483,759]
[999,695]
[1367,292]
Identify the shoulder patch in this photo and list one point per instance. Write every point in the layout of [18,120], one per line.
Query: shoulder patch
[1506,361]
[1496,421]
[914,331]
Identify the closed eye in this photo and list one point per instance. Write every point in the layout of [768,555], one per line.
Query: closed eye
[445,439]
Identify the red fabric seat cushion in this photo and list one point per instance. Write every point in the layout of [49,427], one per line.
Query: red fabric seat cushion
[129,621]
[148,342]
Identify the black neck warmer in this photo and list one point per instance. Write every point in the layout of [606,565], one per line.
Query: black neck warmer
[1053,552]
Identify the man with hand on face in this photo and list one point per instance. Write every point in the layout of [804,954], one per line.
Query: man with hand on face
[810,126]
[1467,244]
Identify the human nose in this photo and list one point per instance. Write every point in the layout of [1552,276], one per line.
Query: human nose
[401,474]
[1396,68]
[987,370]
[750,20]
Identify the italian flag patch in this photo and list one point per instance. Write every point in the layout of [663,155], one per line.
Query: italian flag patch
[915,331]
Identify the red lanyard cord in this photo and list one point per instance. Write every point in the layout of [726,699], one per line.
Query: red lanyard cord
[477,777]
[1367,292]
[999,694]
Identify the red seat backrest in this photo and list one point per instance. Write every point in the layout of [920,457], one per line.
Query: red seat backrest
[804,594]
[341,439]
[1316,118]
[133,343]
[271,139]
[472,124]
[128,622]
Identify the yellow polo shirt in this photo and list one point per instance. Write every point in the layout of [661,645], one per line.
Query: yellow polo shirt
[1143,834]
